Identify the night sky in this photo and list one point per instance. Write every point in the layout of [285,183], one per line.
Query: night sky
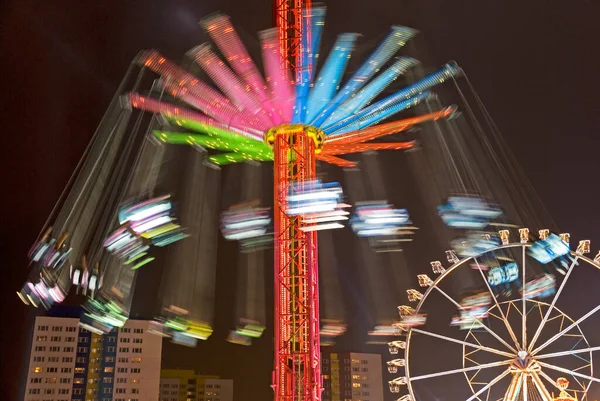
[534,63]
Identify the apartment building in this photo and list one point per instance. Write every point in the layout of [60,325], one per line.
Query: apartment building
[68,362]
[186,385]
[352,376]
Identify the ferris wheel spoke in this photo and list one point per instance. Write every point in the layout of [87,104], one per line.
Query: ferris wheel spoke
[490,384]
[504,319]
[486,328]
[551,307]
[524,317]
[558,335]
[539,385]
[465,343]
[569,372]
[462,370]
[548,379]
[569,352]
[524,378]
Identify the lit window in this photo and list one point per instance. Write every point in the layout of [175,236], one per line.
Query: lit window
[79,370]
[109,369]
[356,385]
[136,360]
[51,380]
[78,380]
[134,380]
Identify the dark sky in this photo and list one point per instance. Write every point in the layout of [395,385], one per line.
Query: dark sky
[535,64]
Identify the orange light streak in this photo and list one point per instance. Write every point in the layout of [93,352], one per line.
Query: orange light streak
[338,161]
[385,129]
[364,147]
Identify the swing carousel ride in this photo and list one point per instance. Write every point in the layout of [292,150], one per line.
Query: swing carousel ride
[137,200]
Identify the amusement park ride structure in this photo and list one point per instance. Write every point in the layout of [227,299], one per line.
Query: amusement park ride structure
[295,136]
[293,120]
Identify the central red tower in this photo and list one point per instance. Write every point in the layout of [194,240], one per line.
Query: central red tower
[297,371]
[297,375]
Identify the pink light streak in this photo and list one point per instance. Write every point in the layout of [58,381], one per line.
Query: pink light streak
[224,35]
[229,82]
[278,76]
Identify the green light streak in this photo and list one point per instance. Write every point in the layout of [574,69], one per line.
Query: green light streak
[238,148]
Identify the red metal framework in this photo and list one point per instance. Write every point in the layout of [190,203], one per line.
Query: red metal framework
[297,375]
[288,19]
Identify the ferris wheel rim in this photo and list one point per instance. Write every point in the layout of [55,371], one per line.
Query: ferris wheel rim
[575,255]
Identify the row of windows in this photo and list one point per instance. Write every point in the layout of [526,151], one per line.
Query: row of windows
[128,330]
[49,391]
[134,350]
[56,328]
[62,380]
[55,338]
[124,390]
[65,359]
[127,340]
[42,348]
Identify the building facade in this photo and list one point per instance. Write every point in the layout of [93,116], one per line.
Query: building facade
[352,376]
[68,362]
[186,385]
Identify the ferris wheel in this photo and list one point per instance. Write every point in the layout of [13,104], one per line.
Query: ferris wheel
[525,332]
